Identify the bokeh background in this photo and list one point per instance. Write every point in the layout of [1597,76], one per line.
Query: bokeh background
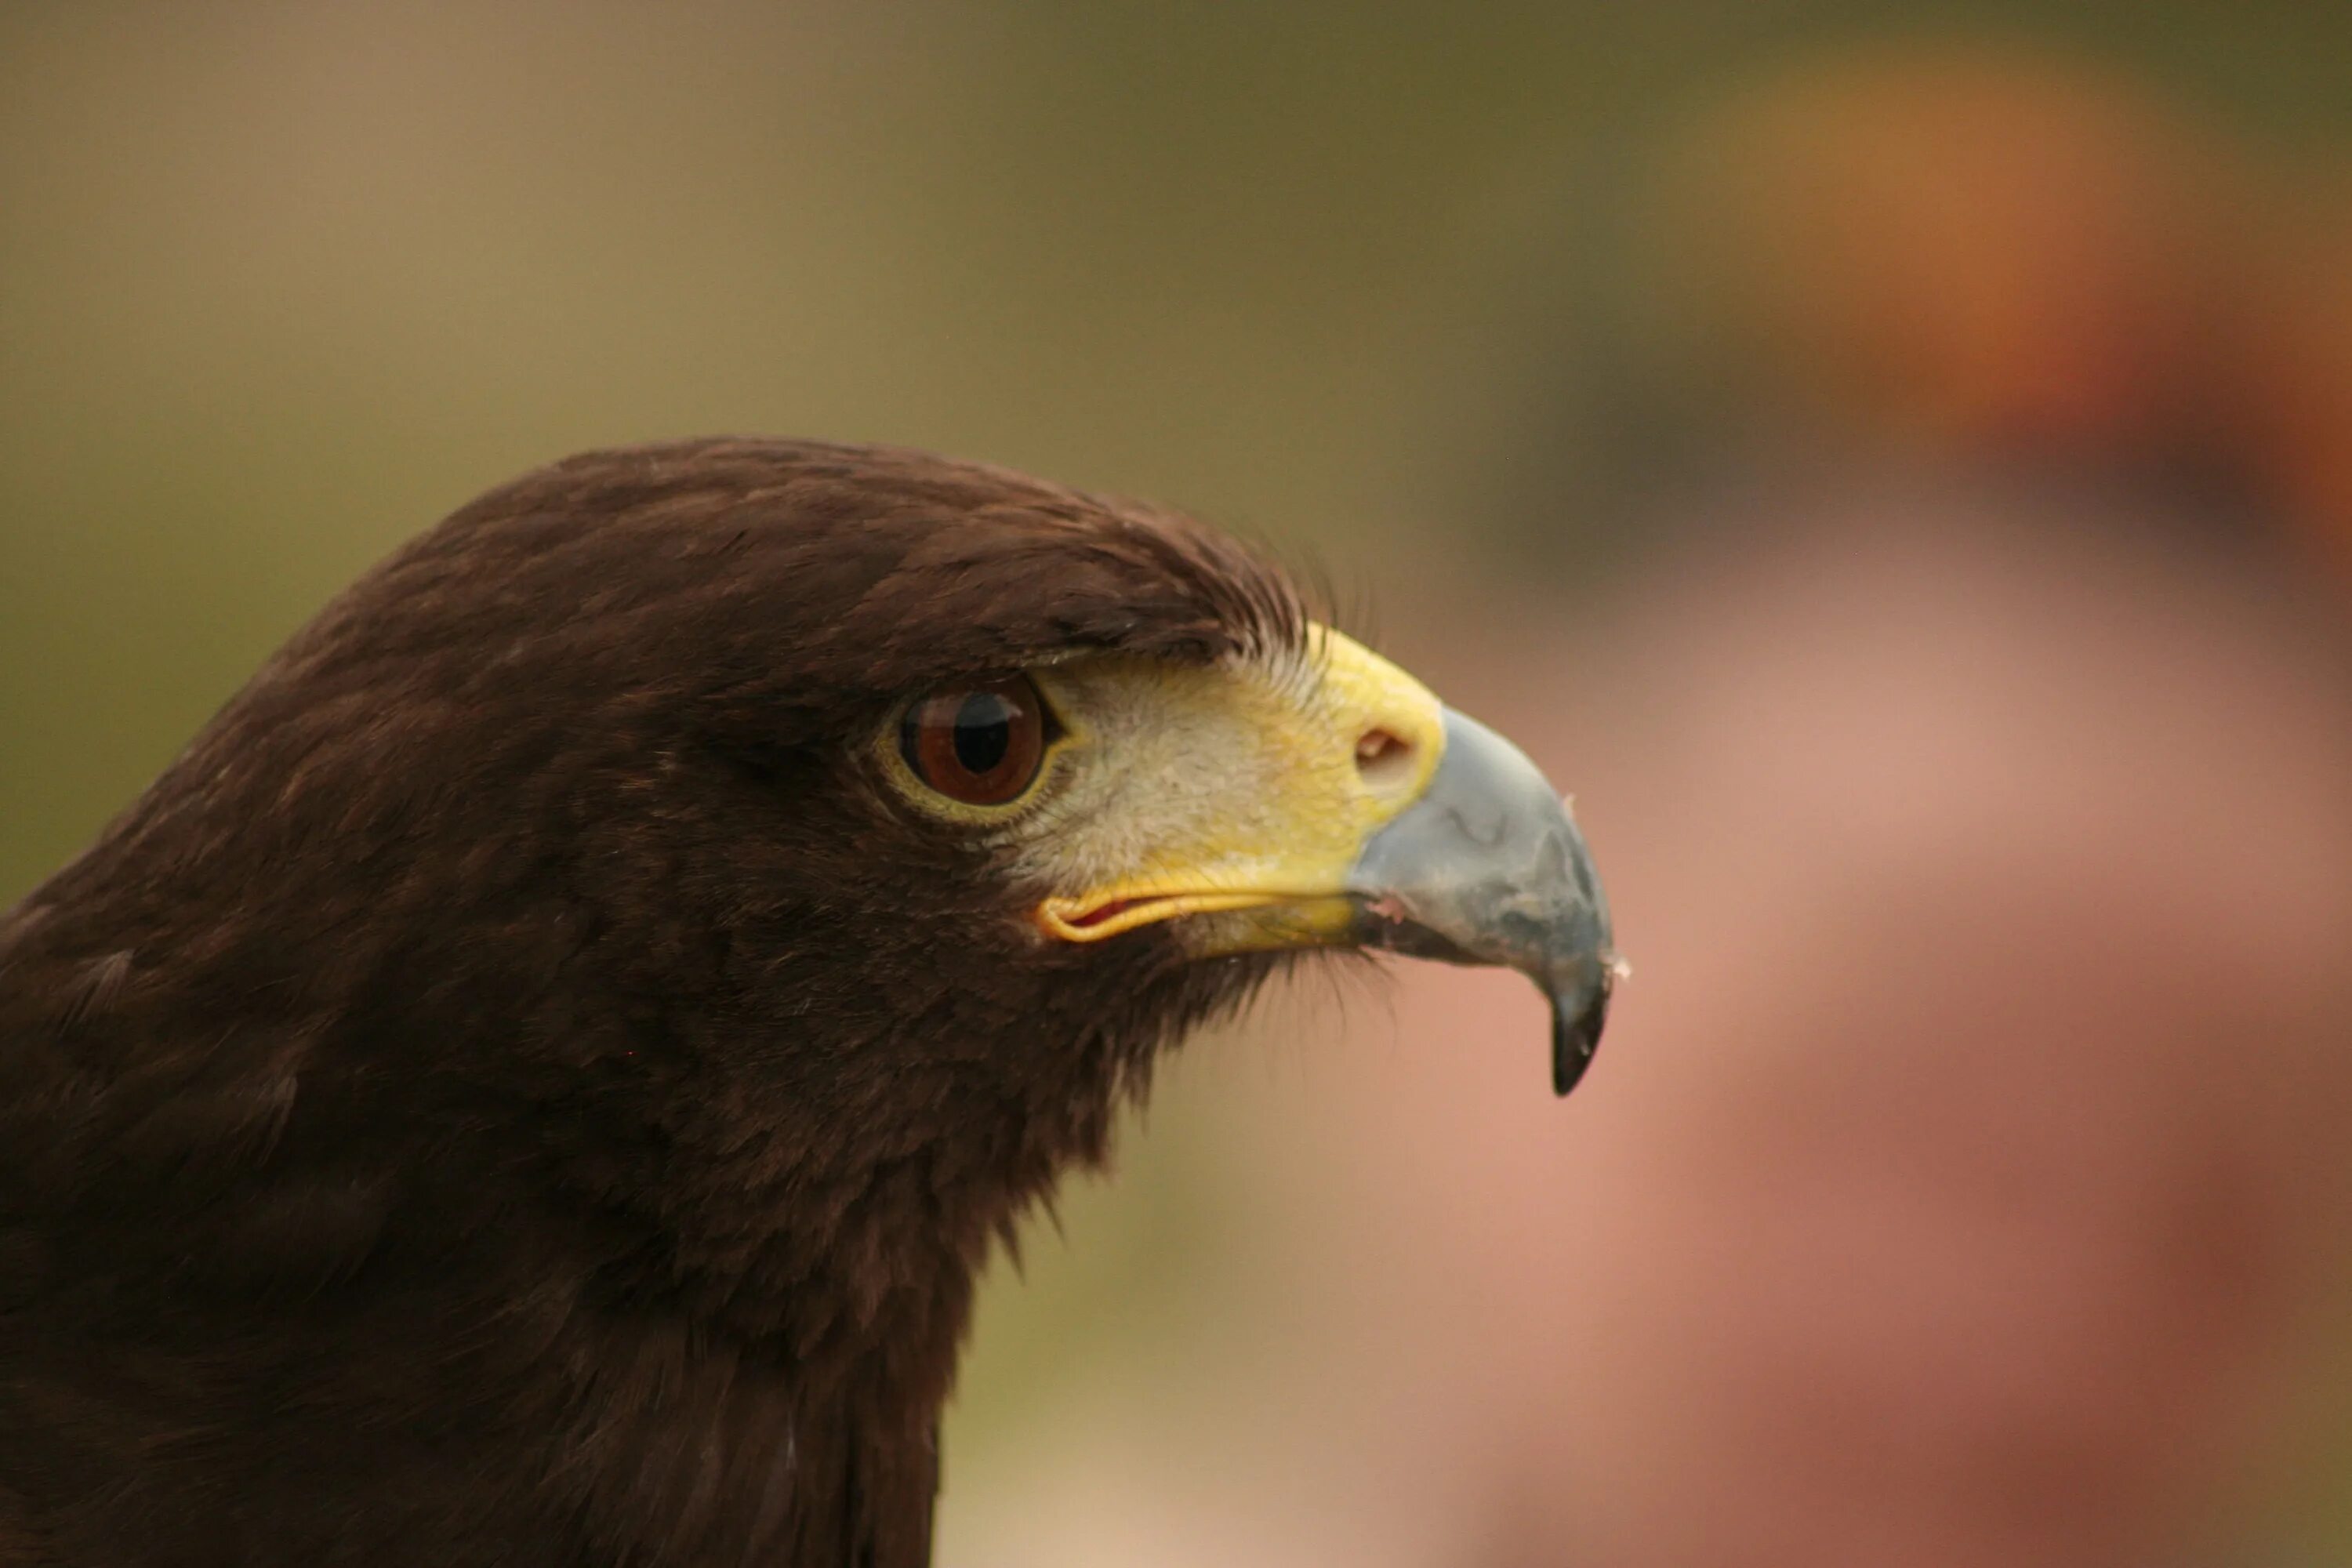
[1893,463]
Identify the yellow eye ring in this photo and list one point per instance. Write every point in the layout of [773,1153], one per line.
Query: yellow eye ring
[973,749]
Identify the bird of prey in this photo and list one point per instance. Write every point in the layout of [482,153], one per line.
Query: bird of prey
[532,1082]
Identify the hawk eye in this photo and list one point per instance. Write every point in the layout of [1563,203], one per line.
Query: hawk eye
[979,745]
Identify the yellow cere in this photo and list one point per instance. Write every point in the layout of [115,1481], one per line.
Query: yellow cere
[1241,785]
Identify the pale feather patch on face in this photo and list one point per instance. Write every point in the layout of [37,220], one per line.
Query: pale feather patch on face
[1249,781]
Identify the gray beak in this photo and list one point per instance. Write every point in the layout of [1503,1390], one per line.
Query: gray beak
[1488,868]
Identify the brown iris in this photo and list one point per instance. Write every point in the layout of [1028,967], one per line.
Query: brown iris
[978,744]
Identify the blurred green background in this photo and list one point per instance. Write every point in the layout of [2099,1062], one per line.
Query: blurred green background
[279,285]
[1455,302]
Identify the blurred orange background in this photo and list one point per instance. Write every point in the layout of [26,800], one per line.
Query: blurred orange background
[1894,465]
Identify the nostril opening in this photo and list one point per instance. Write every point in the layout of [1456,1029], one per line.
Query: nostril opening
[1383,758]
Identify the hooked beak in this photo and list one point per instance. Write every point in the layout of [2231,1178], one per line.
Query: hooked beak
[1364,813]
[1487,866]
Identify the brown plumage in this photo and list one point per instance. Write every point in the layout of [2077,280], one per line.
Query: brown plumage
[513,1090]
[530,1084]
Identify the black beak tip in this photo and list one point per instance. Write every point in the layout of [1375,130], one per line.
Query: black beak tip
[1576,1036]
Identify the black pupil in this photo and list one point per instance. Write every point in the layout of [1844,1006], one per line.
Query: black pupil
[984,732]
